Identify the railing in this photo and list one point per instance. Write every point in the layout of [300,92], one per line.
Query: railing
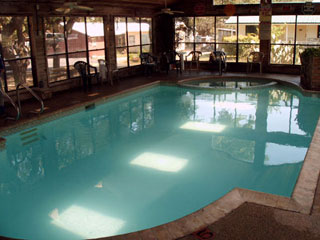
[32,93]
[13,104]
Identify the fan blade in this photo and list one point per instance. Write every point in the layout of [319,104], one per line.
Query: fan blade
[84,8]
[162,12]
[180,12]
[63,10]
[67,10]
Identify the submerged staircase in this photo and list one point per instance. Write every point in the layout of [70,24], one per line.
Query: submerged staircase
[29,136]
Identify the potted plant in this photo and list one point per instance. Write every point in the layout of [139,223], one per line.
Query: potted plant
[310,68]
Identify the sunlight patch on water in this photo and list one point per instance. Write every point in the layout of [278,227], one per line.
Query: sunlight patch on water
[203,127]
[160,162]
[85,222]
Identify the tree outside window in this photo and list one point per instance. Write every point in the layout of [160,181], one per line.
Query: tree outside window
[16,51]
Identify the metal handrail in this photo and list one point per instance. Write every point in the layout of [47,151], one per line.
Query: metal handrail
[32,93]
[12,103]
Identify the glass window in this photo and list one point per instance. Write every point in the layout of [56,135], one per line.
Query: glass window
[218,34]
[120,29]
[96,44]
[94,56]
[85,42]
[226,29]
[146,49]
[206,49]
[245,49]
[281,54]
[248,36]
[16,51]
[146,33]
[204,29]
[122,59]
[76,34]
[95,33]
[133,31]
[57,67]
[134,56]
[55,48]
[308,29]
[230,50]
[282,39]
[132,36]
[204,35]
[54,35]
[184,29]
[248,29]
[73,58]
[283,29]
[308,34]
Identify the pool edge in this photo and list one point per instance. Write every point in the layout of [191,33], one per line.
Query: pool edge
[72,109]
[301,200]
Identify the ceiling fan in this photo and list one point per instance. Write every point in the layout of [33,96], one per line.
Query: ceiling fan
[167,10]
[69,6]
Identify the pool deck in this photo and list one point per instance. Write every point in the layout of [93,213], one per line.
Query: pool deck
[240,214]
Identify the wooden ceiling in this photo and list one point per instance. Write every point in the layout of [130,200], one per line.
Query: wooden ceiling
[114,7]
[156,3]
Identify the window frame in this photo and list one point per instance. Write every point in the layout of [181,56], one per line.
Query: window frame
[294,44]
[30,57]
[127,46]
[68,52]
[215,43]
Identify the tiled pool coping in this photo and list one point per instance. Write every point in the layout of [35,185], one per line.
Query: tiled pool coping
[301,200]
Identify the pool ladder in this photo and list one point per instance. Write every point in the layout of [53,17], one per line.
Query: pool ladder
[18,110]
[32,93]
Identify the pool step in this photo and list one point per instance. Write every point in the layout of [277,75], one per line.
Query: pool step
[29,136]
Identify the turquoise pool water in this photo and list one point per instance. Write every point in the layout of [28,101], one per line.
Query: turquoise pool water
[229,83]
[150,158]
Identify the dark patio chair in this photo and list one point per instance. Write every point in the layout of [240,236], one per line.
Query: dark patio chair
[86,75]
[149,63]
[171,58]
[219,58]
[195,58]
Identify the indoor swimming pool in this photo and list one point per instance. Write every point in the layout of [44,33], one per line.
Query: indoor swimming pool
[149,158]
[234,83]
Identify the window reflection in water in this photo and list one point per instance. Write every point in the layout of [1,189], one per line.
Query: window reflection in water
[237,148]
[250,118]
[72,139]
[260,121]
[231,109]
[88,154]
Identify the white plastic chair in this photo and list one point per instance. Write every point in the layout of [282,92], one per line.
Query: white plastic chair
[104,73]
[254,57]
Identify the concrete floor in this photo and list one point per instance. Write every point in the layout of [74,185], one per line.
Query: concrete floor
[249,221]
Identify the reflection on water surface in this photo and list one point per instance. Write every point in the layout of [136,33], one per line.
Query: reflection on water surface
[151,158]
